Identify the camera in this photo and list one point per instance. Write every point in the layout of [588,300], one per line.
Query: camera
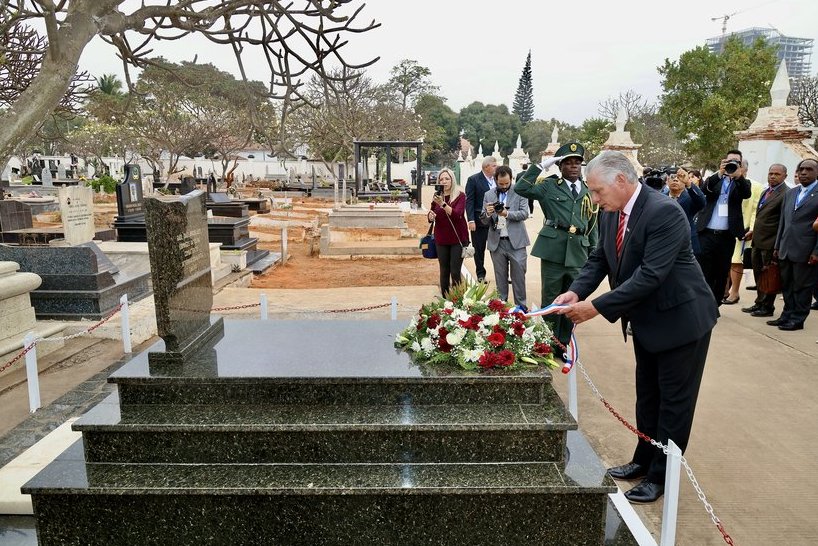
[655,178]
[498,207]
[438,189]
[732,166]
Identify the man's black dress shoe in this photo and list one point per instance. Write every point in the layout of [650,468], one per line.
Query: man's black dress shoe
[776,322]
[762,313]
[750,309]
[814,306]
[754,287]
[645,492]
[630,471]
[790,326]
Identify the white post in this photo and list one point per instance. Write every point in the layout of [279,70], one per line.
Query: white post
[572,392]
[125,324]
[284,243]
[32,378]
[394,308]
[263,300]
[671,508]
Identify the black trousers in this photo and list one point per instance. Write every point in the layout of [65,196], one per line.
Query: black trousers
[667,387]
[798,282]
[478,239]
[762,257]
[449,258]
[714,259]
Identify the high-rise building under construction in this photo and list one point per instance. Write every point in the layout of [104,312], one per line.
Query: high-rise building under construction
[797,52]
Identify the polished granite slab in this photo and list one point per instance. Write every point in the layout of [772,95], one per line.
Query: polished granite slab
[526,503]
[356,351]
[109,416]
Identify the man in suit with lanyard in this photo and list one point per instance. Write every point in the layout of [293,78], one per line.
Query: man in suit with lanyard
[504,212]
[656,285]
[569,231]
[721,222]
[476,187]
[763,233]
[796,247]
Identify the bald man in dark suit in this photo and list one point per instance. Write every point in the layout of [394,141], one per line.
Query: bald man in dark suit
[656,284]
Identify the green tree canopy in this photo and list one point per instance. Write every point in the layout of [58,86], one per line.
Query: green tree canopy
[439,124]
[537,135]
[486,123]
[707,96]
[408,81]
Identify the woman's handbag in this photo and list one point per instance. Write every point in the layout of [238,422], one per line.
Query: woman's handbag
[467,250]
[770,281]
[427,244]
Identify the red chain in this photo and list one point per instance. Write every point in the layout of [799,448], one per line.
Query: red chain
[381,306]
[16,358]
[727,538]
[247,306]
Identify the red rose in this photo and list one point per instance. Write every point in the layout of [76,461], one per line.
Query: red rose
[433,321]
[498,328]
[496,339]
[518,328]
[487,360]
[497,305]
[448,311]
[505,358]
[542,348]
[442,344]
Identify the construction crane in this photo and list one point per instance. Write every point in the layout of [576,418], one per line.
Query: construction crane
[724,19]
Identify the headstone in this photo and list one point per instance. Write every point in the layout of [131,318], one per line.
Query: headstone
[180,269]
[188,184]
[219,197]
[46,178]
[77,210]
[129,200]
[61,171]
[14,215]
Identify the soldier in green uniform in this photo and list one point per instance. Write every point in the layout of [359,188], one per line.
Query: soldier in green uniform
[569,232]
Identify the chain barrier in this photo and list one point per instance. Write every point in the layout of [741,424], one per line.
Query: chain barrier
[699,492]
[87,331]
[291,310]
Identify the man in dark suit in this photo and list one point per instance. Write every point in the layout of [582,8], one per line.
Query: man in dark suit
[763,233]
[796,247]
[476,187]
[721,222]
[656,285]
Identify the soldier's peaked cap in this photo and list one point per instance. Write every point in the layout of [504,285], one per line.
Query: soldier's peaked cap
[571,149]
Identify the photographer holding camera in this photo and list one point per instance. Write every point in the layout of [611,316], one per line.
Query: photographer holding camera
[504,212]
[721,223]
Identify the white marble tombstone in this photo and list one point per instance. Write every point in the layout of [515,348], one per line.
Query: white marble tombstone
[77,210]
[61,171]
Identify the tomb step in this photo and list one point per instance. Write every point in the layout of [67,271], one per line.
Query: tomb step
[355,434]
[266,362]
[525,503]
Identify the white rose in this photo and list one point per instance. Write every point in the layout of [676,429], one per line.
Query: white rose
[455,337]
[426,345]
[472,355]
[416,346]
[491,320]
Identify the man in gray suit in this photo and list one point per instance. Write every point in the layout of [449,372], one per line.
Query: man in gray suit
[656,284]
[796,247]
[504,212]
[763,232]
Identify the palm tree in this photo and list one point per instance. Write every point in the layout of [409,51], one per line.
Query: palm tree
[110,84]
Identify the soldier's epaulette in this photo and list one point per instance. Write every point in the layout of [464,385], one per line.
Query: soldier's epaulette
[552,177]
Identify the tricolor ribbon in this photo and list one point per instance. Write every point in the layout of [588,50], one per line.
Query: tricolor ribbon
[571,354]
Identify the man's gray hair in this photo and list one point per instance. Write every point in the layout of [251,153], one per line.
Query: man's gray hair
[489,160]
[608,164]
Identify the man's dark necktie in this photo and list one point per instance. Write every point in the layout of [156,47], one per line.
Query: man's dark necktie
[574,191]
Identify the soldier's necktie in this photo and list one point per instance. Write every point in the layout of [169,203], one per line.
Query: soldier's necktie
[574,191]
[620,233]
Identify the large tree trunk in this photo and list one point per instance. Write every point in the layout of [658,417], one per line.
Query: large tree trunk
[66,42]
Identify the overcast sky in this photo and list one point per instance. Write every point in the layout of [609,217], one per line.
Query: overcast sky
[581,52]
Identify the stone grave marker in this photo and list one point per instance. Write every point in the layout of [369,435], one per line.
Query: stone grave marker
[14,215]
[61,173]
[46,178]
[129,198]
[180,269]
[77,209]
